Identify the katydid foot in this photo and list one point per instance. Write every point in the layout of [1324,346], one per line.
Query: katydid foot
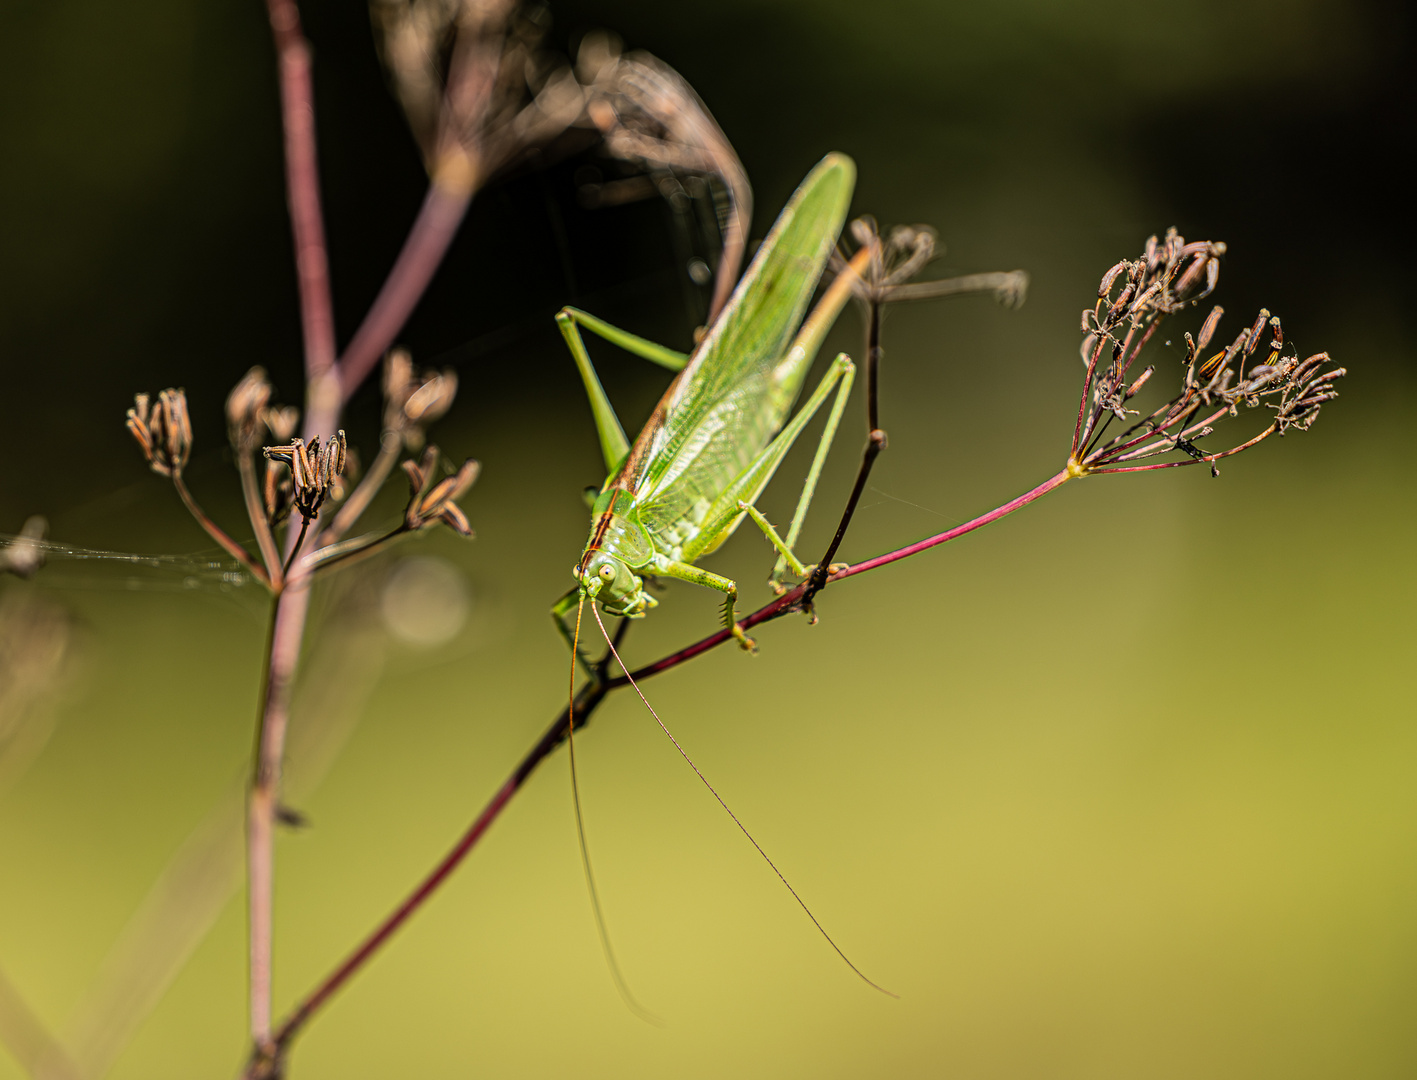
[778,586]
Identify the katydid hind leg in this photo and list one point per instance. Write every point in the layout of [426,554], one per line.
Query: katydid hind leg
[809,486]
[633,344]
[613,443]
[785,555]
[725,514]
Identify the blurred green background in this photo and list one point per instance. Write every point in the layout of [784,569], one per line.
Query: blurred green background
[1120,787]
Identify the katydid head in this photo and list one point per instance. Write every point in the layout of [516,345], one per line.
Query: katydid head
[606,578]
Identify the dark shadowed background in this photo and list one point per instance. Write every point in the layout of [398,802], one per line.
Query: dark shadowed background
[1120,787]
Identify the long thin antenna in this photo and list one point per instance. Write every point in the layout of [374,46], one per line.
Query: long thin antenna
[619,979]
[615,653]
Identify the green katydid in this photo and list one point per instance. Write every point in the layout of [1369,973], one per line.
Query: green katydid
[713,442]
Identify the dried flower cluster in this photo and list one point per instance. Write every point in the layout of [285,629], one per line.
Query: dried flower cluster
[897,258]
[431,502]
[250,414]
[1172,275]
[314,470]
[163,431]
[474,82]
[414,399]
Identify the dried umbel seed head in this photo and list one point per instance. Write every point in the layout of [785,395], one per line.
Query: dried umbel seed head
[413,400]
[895,260]
[314,470]
[1168,276]
[163,431]
[244,406]
[433,502]
[280,421]
[250,415]
[474,81]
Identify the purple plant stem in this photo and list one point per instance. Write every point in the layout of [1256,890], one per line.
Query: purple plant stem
[432,232]
[590,696]
[288,616]
[329,385]
[302,180]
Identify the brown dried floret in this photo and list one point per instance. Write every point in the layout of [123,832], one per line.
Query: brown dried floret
[163,431]
[432,502]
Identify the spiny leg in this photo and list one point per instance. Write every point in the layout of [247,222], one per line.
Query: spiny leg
[709,580]
[809,488]
[785,556]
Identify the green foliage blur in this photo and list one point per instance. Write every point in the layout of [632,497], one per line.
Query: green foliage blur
[1119,787]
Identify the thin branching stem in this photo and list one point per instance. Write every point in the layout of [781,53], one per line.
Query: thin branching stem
[351,550]
[215,531]
[256,511]
[322,410]
[295,548]
[329,385]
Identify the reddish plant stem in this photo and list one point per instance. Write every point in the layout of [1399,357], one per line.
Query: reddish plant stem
[256,512]
[329,385]
[1086,388]
[215,531]
[1057,480]
[321,414]
[432,232]
[586,701]
[302,181]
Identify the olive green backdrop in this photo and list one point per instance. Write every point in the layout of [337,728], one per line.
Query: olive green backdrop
[1119,787]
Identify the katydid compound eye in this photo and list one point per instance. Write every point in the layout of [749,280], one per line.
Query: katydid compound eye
[607,572]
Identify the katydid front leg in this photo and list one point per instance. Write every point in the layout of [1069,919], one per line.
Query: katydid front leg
[693,574]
